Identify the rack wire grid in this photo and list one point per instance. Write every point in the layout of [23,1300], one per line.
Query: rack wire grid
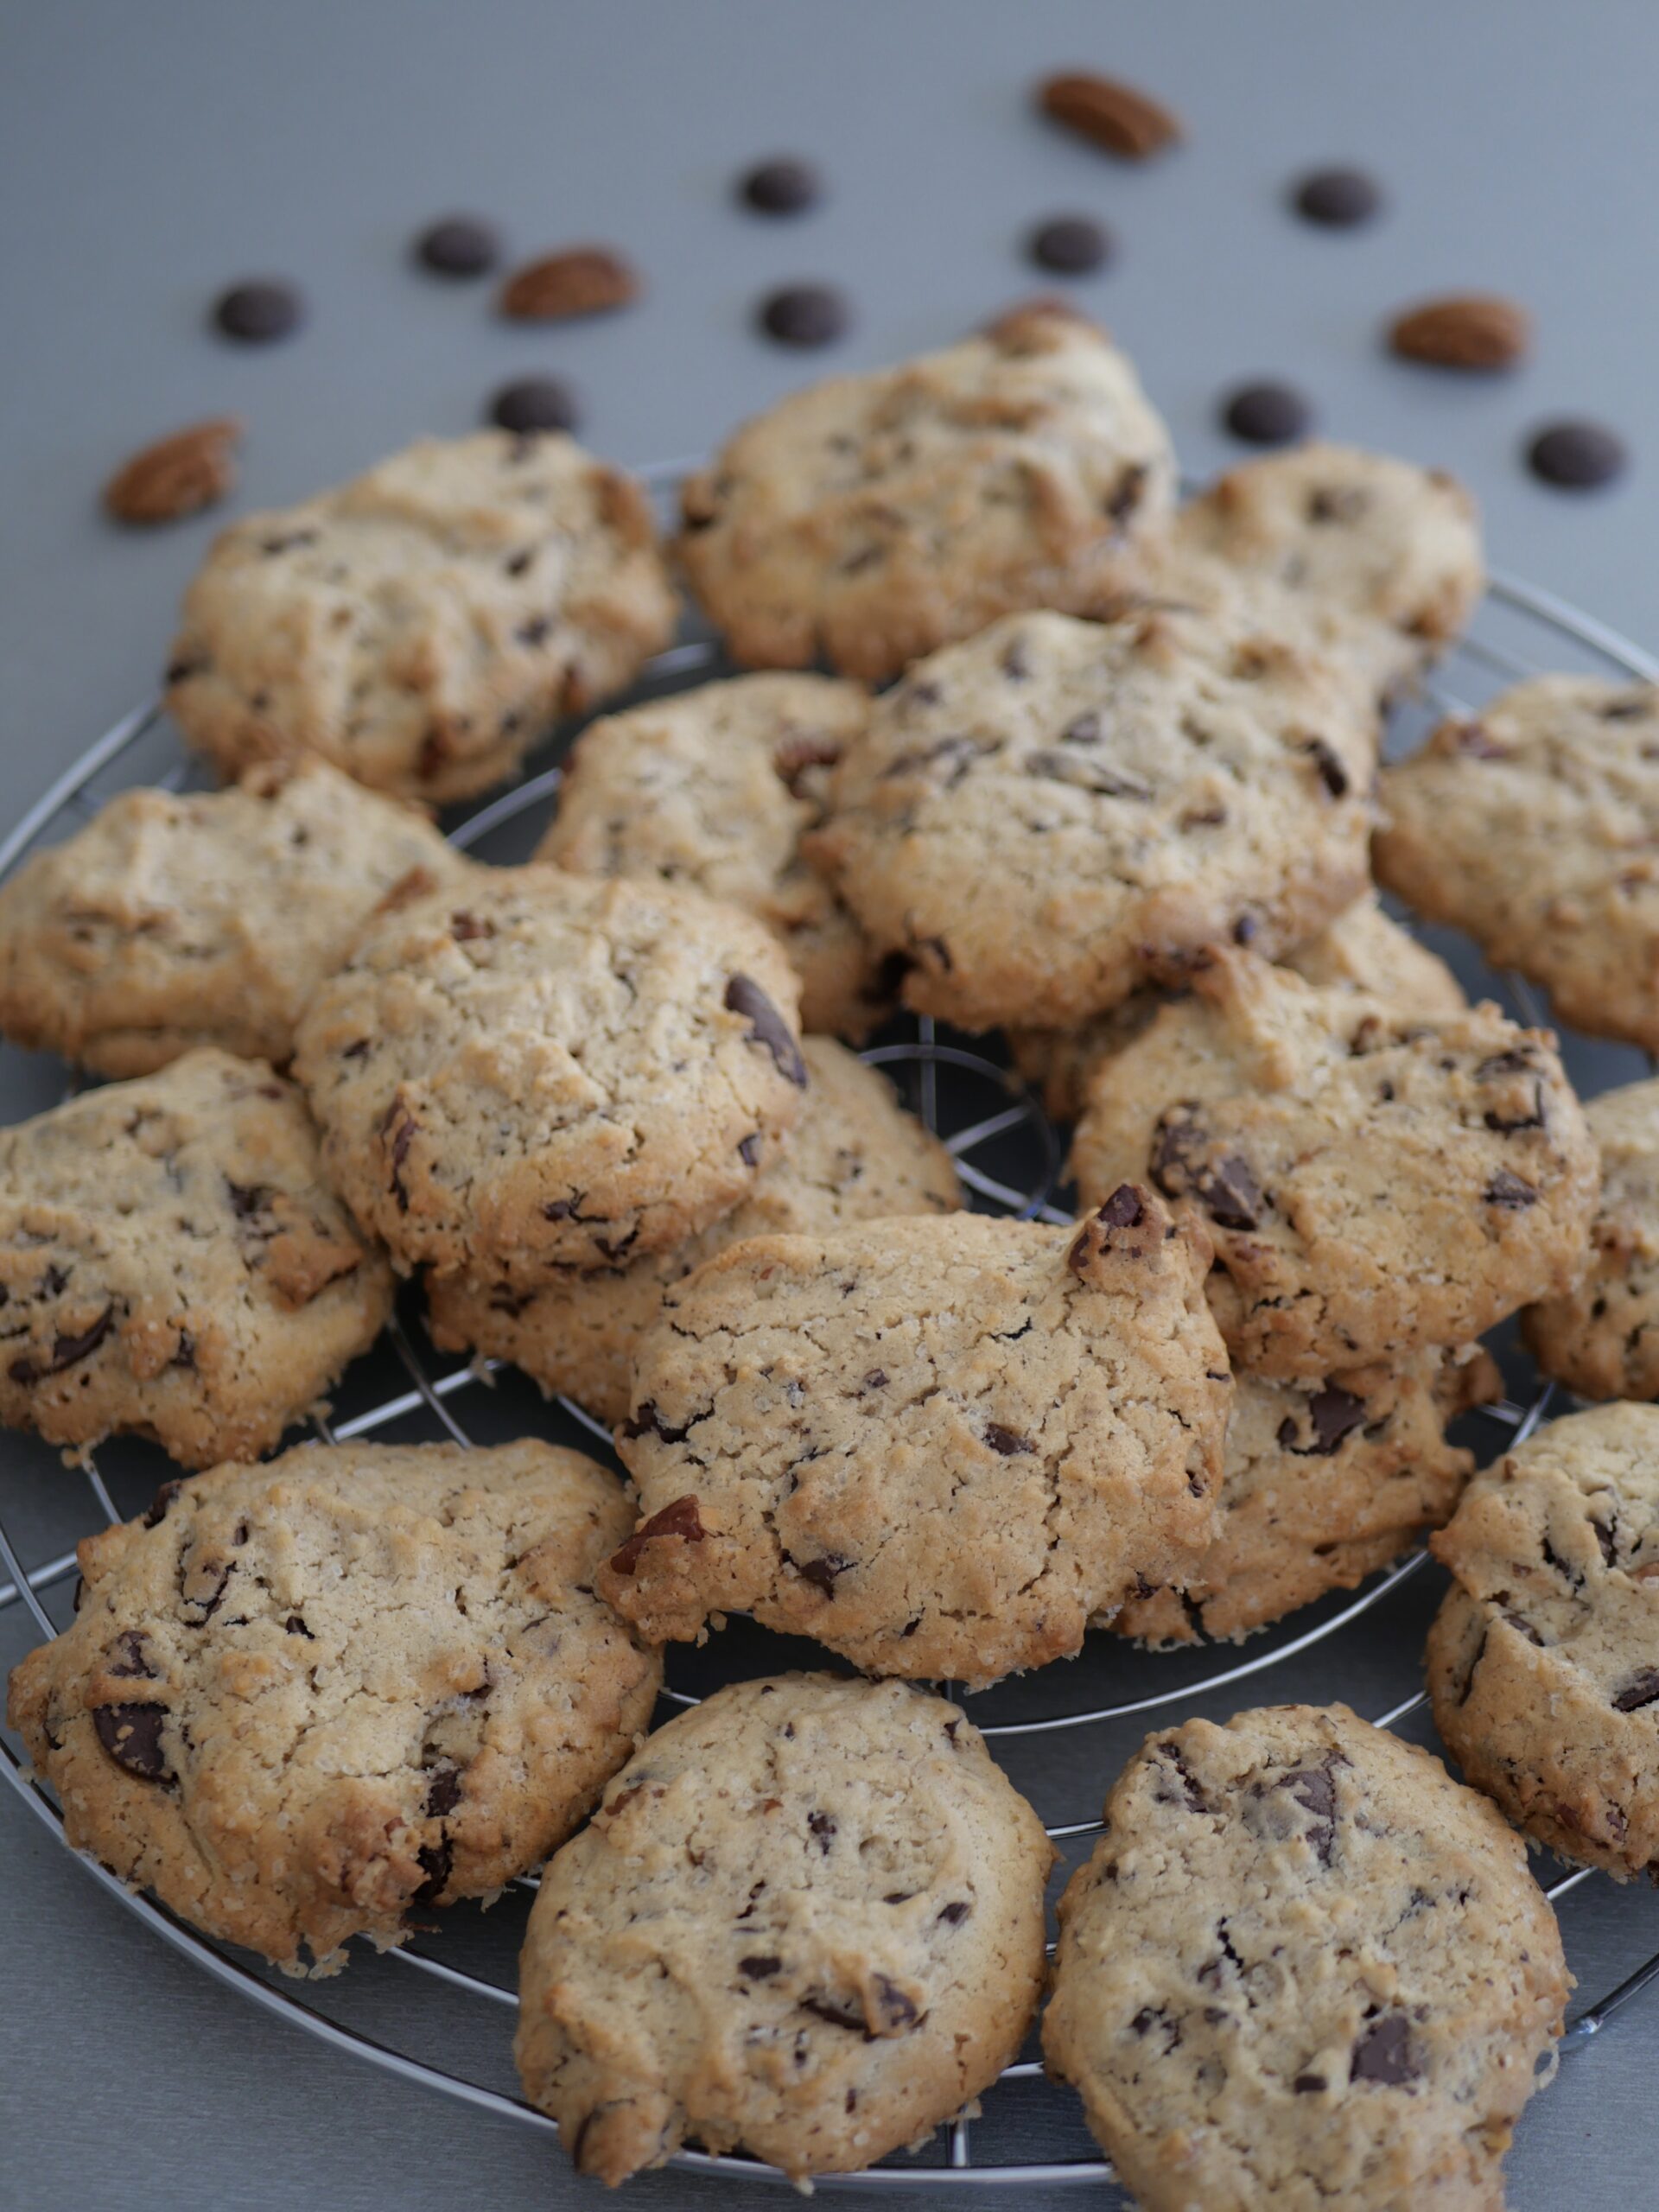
[1063,1732]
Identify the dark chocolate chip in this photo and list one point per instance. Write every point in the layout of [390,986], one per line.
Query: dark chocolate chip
[823,1571]
[130,1656]
[1510,1191]
[760,1967]
[1339,199]
[443,1792]
[254,312]
[899,2009]
[1333,774]
[161,1503]
[1178,1772]
[1383,2053]
[1007,1442]
[680,1519]
[1333,1414]
[459,245]
[1125,495]
[1316,1793]
[247,1198]
[1267,414]
[1576,456]
[1306,2084]
[296,1626]
[434,1860]
[131,1734]
[956,1912]
[839,2016]
[533,404]
[1125,1209]
[1225,1188]
[649,1422]
[782,185]
[803,315]
[748,1150]
[1642,1689]
[766,1027]
[67,1351]
[822,1826]
[1071,245]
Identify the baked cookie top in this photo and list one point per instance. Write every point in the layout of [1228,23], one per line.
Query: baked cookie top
[1543,1662]
[172,1262]
[716,787]
[420,625]
[1321,1483]
[531,1069]
[1039,819]
[1363,948]
[1534,827]
[201,918]
[941,1448]
[869,519]
[807,1919]
[1303,1968]
[1374,1180]
[854,1155]
[1602,1338]
[1375,559]
[301,1699]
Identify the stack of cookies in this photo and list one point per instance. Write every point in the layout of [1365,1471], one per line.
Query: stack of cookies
[1116,802]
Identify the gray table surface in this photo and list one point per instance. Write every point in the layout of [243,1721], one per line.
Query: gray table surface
[148,155]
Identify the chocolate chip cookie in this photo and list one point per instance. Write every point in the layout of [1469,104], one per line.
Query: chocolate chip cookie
[806,1922]
[304,1701]
[941,1448]
[855,1155]
[716,787]
[871,519]
[421,626]
[1375,1182]
[1371,558]
[1543,1661]
[1535,826]
[1602,1339]
[1362,947]
[171,1262]
[531,1070]
[1303,1967]
[1321,1484]
[175,919]
[1039,820]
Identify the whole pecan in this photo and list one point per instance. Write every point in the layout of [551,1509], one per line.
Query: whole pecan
[582,280]
[1110,115]
[177,475]
[1467,331]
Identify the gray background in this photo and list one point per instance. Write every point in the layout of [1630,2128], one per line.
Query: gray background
[149,154]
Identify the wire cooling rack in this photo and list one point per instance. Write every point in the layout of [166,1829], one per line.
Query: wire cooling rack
[1010,1160]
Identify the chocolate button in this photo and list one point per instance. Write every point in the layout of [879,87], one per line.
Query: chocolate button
[255,314]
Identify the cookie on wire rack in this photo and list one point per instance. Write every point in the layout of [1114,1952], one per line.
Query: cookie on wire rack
[172,1263]
[302,1701]
[806,1922]
[941,1448]
[1303,1967]
[855,1155]
[1543,1661]
[423,625]
[1601,1338]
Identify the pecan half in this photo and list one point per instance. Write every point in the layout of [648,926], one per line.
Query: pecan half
[1465,332]
[176,476]
[1109,115]
[583,280]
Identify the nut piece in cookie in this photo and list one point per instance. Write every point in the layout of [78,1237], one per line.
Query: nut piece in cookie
[172,1263]
[1362,949]
[1543,1661]
[1041,820]
[304,1700]
[423,625]
[1375,1182]
[530,1071]
[201,918]
[855,1155]
[1601,1339]
[716,787]
[807,1922]
[1303,1967]
[1321,1484]
[871,519]
[1535,826]
[941,1448]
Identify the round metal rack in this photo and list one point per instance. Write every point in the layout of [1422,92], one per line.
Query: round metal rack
[1010,1159]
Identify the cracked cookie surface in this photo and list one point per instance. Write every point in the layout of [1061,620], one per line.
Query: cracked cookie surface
[1602,1339]
[301,1698]
[716,787]
[531,1069]
[1534,826]
[941,1448]
[871,519]
[1543,1661]
[855,1155]
[807,1919]
[1321,1484]
[421,626]
[1040,820]
[201,918]
[1303,1968]
[1374,1180]
[172,1262]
